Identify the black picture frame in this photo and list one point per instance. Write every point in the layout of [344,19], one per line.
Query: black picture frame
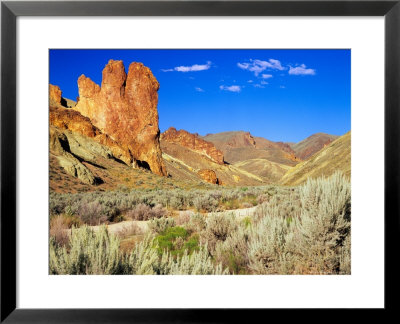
[10,10]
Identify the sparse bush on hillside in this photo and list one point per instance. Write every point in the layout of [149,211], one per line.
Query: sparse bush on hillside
[218,229]
[144,212]
[325,221]
[58,230]
[233,252]
[206,203]
[183,218]
[159,225]
[92,213]
[197,223]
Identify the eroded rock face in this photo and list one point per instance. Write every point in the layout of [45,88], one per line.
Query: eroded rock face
[54,94]
[59,146]
[208,176]
[68,119]
[125,108]
[193,142]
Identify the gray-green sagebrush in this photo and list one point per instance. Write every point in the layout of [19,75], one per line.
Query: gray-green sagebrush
[98,253]
[303,230]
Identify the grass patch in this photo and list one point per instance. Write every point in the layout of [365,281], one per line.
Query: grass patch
[176,240]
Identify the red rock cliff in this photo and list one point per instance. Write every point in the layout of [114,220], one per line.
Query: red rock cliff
[54,94]
[125,108]
[193,142]
[72,120]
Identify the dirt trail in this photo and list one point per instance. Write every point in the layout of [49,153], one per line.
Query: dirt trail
[117,227]
[114,228]
[239,213]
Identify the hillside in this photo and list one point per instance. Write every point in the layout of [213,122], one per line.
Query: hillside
[336,156]
[271,172]
[312,144]
[240,146]
[184,163]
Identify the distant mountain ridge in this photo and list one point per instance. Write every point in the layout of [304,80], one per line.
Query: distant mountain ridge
[312,144]
[335,156]
[239,146]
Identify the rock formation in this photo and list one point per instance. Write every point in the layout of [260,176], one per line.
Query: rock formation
[208,176]
[68,119]
[193,142]
[54,94]
[59,146]
[125,108]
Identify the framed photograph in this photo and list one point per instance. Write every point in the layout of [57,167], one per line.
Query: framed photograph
[191,161]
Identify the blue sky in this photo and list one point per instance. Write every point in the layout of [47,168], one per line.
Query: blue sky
[282,95]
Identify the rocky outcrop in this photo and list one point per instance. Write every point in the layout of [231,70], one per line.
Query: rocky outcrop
[54,94]
[59,146]
[125,108]
[68,119]
[209,176]
[193,142]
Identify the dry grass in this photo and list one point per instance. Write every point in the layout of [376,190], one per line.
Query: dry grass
[58,230]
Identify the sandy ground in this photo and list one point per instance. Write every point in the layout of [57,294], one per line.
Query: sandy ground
[115,228]
[239,213]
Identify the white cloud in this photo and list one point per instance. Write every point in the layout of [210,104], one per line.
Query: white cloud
[282,87]
[258,66]
[199,89]
[233,88]
[266,76]
[250,81]
[301,70]
[264,82]
[193,68]
[259,86]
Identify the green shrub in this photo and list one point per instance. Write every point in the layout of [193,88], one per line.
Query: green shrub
[176,241]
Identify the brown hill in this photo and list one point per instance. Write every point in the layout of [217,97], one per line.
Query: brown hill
[312,145]
[185,164]
[240,146]
[336,156]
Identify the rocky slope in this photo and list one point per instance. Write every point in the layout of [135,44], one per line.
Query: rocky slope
[186,164]
[60,148]
[312,144]
[336,156]
[240,146]
[68,119]
[125,108]
[193,142]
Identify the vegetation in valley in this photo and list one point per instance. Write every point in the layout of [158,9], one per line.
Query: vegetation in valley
[297,230]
